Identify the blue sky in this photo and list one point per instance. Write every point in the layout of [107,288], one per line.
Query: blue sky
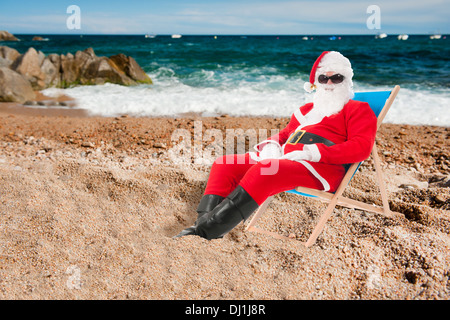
[225,17]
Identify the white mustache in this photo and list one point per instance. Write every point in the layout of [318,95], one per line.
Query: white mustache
[327,86]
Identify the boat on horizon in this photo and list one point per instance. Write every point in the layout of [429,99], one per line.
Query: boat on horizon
[435,36]
[176,36]
[403,37]
[381,36]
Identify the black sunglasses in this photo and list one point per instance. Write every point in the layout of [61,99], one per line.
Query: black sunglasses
[335,78]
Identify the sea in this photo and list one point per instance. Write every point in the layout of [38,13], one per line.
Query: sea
[257,75]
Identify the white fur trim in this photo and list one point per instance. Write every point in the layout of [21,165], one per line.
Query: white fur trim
[299,116]
[311,118]
[314,150]
[335,61]
[326,186]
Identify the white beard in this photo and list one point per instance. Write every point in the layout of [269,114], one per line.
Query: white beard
[330,99]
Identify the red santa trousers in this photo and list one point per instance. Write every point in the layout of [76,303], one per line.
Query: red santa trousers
[260,179]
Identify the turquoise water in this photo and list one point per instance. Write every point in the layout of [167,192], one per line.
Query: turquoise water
[259,75]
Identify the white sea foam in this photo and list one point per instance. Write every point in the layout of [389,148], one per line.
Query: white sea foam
[233,92]
[425,107]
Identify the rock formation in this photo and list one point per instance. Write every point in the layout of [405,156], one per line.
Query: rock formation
[86,68]
[29,65]
[6,36]
[53,70]
[14,87]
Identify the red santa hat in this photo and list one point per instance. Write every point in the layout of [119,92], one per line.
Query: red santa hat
[329,61]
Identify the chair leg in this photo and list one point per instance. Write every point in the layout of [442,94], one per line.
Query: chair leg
[332,204]
[381,184]
[322,221]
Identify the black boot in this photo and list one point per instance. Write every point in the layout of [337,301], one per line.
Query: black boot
[207,203]
[237,206]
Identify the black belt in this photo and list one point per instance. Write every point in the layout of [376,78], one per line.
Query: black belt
[304,137]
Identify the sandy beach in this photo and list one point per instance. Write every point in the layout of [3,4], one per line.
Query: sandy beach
[89,206]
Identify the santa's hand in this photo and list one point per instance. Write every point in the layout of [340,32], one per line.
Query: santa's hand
[298,155]
[270,151]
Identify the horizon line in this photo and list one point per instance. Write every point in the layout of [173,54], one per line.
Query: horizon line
[237,34]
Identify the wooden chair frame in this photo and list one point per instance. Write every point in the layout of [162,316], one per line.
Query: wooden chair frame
[336,198]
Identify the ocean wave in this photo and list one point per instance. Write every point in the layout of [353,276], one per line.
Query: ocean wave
[420,107]
[241,90]
[265,95]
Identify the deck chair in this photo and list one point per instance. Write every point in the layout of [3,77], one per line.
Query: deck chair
[380,102]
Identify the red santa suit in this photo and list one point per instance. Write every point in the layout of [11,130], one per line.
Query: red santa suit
[311,151]
[352,130]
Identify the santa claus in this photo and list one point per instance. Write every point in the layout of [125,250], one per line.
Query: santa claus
[311,151]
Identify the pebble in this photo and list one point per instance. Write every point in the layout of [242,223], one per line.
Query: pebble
[87,145]
[159,145]
[417,185]
[409,186]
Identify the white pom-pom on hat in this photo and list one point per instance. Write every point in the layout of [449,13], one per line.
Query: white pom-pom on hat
[309,87]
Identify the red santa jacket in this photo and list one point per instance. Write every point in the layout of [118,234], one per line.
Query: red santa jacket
[352,130]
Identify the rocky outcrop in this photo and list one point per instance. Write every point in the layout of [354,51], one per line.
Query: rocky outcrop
[9,53]
[130,67]
[6,36]
[29,65]
[86,68]
[8,56]
[81,68]
[14,87]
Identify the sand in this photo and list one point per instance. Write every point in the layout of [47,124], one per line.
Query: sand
[89,205]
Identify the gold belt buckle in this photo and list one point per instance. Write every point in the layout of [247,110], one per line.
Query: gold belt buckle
[295,137]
